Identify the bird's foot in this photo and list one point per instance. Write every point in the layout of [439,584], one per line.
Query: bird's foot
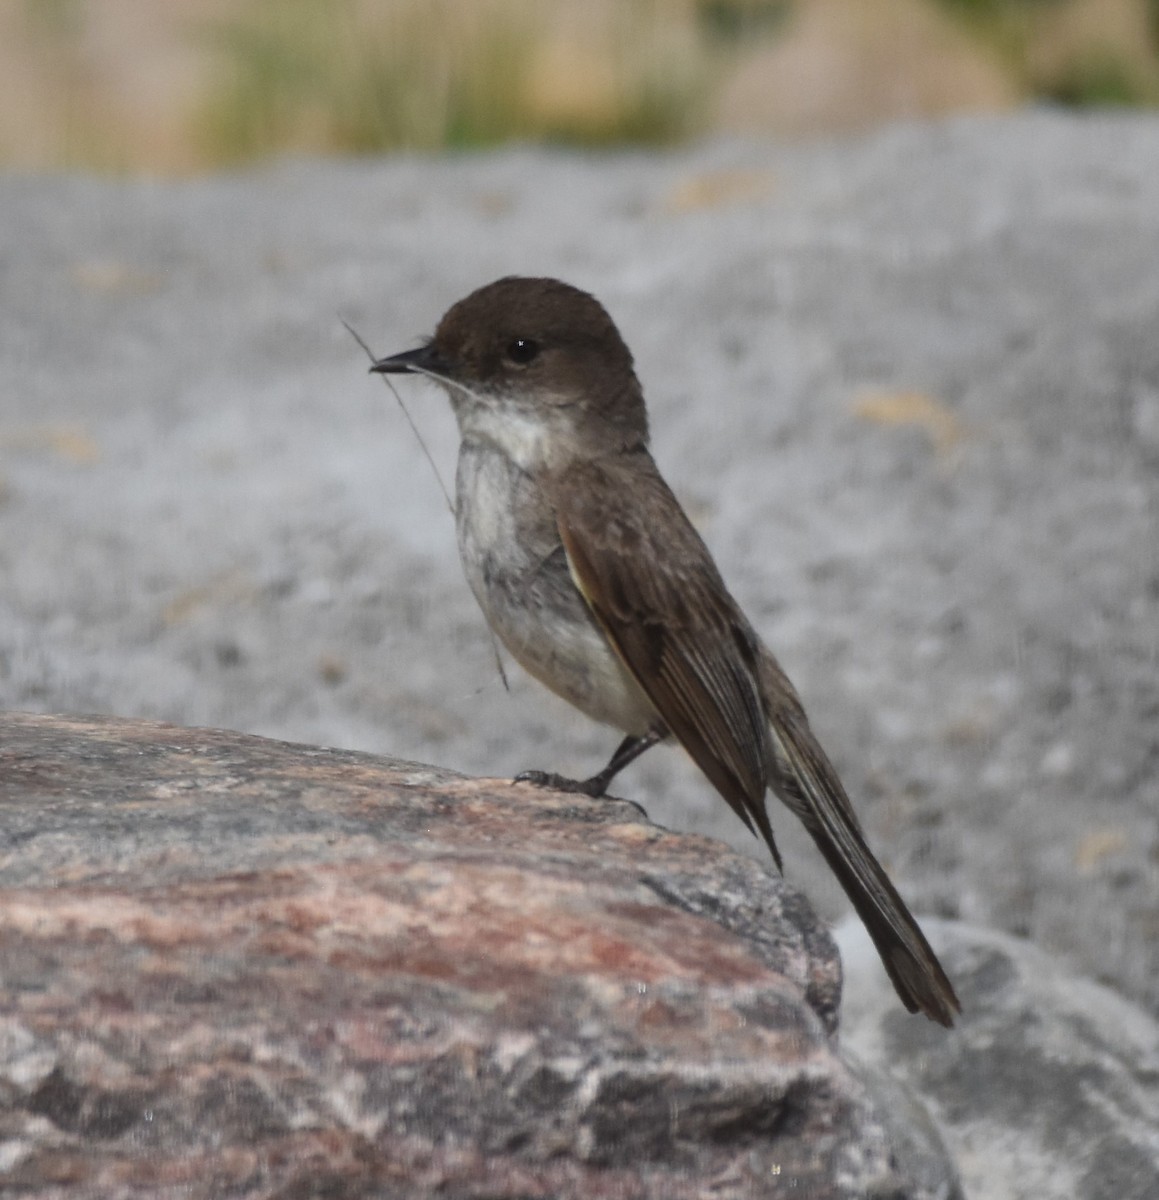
[560,783]
[595,787]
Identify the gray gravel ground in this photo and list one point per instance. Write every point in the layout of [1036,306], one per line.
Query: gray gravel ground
[908,385]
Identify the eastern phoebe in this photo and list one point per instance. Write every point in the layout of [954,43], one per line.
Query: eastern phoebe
[587,568]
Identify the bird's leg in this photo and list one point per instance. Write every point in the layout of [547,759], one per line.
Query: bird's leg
[627,751]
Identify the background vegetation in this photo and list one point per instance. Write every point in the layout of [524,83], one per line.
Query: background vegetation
[193,84]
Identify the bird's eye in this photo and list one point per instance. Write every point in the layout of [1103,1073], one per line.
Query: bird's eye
[522,351]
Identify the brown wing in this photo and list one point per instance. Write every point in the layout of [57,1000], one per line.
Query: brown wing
[654,589]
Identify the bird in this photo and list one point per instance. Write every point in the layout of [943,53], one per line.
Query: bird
[591,574]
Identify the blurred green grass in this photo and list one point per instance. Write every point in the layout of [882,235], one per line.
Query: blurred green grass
[196,84]
[325,75]
[319,74]
[1115,65]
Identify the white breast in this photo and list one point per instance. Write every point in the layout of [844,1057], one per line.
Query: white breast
[522,438]
[528,597]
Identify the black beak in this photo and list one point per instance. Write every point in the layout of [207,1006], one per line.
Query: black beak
[425,360]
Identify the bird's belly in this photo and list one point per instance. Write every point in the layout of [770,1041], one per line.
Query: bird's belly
[576,662]
[517,570]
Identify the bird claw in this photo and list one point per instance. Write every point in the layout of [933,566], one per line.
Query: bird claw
[560,783]
[595,787]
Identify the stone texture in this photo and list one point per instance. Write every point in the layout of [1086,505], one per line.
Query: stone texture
[844,64]
[236,966]
[1049,1090]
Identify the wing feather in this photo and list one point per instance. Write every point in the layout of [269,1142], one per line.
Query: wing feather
[652,586]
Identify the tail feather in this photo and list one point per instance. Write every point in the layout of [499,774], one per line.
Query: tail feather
[806,781]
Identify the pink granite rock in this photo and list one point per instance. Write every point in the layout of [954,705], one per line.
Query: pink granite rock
[232,966]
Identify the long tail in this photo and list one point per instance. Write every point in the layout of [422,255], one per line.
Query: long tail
[806,781]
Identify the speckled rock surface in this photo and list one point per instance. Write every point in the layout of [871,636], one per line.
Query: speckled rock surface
[1049,1089]
[240,967]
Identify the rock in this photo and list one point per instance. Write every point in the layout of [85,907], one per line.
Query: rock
[238,966]
[1048,1089]
[840,65]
